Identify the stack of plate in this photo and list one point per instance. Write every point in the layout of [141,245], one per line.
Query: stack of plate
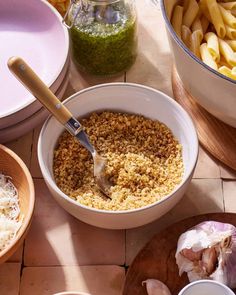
[34,31]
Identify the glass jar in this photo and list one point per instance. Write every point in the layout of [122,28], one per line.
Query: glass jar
[103,35]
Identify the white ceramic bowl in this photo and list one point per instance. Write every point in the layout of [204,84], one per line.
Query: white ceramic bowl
[130,98]
[212,90]
[206,287]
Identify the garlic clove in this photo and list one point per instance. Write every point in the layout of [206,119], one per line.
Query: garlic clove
[192,255]
[209,260]
[155,287]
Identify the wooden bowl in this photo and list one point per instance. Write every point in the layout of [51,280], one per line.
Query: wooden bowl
[11,165]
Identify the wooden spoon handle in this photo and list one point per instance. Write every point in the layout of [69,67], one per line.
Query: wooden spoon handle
[36,86]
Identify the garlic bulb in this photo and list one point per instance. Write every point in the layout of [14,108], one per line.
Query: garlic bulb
[155,287]
[208,251]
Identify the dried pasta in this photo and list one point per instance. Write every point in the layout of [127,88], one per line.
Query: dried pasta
[60,5]
[186,35]
[191,13]
[207,57]
[177,19]
[208,29]
[213,45]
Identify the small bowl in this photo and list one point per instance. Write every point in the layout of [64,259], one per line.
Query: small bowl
[11,165]
[212,90]
[128,98]
[206,287]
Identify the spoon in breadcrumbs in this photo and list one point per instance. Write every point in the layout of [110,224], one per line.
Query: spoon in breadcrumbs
[35,85]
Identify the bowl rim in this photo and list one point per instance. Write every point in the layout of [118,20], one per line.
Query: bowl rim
[63,63]
[185,48]
[52,183]
[204,281]
[71,292]
[27,218]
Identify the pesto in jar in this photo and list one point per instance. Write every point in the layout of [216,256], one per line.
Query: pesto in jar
[105,48]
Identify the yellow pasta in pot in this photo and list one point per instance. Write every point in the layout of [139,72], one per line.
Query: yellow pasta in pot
[232,44]
[227,72]
[204,23]
[195,43]
[169,5]
[186,36]
[228,18]
[191,13]
[207,20]
[216,18]
[230,32]
[177,19]
[213,45]
[207,57]
[227,52]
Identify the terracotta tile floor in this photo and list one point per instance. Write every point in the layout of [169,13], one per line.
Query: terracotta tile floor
[61,253]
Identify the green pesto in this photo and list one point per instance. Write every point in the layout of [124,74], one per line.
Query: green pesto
[104,49]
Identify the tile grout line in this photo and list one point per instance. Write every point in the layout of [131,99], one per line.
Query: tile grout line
[22,266]
[31,149]
[222,188]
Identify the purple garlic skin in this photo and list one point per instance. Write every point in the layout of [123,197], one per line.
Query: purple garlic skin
[208,251]
[155,287]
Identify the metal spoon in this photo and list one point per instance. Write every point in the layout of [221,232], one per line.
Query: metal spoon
[35,85]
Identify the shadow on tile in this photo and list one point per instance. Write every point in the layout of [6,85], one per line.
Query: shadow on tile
[96,280]
[57,238]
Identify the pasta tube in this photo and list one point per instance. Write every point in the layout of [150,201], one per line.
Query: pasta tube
[204,23]
[233,70]
[169,5]
[204,9]
[177,19]
[223,62]
[213,45]
[195,42]
[227,72]
[227,52]
[197,26]
[186,36]
[190,13]
[229,5]
[230,32]
[207,57]
[186,4]
[228,18]
[216,17]
[232,44]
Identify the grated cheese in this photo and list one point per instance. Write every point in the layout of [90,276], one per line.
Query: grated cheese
[9,211]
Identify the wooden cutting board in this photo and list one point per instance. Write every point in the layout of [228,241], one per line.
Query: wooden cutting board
[157,259]
[217,137]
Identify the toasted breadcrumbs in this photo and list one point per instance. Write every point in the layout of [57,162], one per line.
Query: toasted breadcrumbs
[144,161]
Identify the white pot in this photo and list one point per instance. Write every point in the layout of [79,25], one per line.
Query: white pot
[130,98]
[212,90]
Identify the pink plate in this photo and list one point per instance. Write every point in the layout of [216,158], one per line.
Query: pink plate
[15,131]
[31,29]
